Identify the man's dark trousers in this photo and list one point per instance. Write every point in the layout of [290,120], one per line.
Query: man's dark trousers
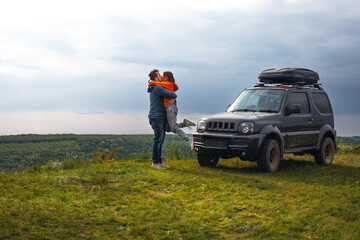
[158,125]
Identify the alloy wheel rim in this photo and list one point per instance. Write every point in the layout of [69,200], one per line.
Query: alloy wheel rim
[327,152]
[273,155]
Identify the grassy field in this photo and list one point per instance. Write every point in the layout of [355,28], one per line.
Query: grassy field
[129,200]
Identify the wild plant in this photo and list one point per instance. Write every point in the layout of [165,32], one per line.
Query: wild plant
[103,157]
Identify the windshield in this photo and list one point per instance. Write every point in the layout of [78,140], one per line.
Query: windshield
[258,100]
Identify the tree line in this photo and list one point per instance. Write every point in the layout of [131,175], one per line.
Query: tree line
[19,152]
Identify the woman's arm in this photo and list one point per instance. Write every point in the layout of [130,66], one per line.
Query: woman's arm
[168,85]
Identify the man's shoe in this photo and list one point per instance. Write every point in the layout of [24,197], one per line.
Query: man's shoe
[188,123]
[163,165]
[157,166]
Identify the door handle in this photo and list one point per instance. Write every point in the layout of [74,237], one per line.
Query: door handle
[310,120]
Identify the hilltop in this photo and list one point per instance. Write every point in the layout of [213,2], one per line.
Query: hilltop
[126,199]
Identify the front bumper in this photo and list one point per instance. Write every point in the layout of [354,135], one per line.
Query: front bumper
[228,145]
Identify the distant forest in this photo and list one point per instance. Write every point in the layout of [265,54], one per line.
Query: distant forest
[19,152]
[349,140]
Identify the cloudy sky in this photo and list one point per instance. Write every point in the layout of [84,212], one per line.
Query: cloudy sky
[81,66]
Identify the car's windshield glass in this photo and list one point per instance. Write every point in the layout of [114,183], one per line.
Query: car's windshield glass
[258,100]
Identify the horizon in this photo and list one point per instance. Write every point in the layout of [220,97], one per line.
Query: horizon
[107,134]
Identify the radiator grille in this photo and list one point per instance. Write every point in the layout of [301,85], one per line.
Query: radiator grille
[221,126]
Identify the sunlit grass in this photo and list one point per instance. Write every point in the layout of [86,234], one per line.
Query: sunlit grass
[129,200]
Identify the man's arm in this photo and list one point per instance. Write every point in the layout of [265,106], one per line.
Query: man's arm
[162,92]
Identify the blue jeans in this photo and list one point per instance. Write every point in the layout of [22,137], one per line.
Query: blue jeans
[158,125]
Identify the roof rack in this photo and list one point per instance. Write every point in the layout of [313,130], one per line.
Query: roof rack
[294,85]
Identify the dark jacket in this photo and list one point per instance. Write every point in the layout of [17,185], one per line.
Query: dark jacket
[157,95]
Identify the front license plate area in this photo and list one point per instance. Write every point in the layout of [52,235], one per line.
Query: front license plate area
[217,143]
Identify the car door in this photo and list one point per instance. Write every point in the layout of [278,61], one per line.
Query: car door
[299,123]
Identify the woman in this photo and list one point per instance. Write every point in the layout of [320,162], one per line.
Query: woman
[168,82]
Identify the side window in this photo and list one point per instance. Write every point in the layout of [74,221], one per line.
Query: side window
[301,99]
[322,102]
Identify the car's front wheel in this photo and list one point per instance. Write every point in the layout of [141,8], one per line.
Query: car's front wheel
[207,160]
[269,158]
[325,155]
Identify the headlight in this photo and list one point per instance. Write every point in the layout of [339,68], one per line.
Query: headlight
[201,125]
[246,127]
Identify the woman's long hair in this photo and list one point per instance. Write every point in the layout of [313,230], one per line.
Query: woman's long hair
[170,76]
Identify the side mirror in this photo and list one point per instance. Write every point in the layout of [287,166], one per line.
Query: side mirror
[227,106]
[293,108]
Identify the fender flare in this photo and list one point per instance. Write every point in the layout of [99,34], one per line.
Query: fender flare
[327,131]
[271,131]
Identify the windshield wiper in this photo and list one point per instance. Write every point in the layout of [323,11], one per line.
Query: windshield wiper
[268,111]
[244,110]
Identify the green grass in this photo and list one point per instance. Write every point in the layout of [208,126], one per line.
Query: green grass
[129,200]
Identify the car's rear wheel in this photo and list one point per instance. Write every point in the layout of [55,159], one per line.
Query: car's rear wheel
[325,155]
[207,160]
[269,158]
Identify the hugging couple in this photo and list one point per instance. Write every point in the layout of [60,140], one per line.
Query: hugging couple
[163,113]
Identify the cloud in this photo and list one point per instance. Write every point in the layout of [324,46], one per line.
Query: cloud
[55,122]
[77,123]
[86,56]
[347,125]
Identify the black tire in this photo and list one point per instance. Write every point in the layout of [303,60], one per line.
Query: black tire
[207,160]
[269,157]
[325,155]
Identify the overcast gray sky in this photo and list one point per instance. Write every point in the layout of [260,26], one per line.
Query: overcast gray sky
[82,66]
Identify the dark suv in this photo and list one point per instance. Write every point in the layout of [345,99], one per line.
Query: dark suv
[287,112]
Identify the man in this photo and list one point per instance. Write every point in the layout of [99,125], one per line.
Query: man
[157,117]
